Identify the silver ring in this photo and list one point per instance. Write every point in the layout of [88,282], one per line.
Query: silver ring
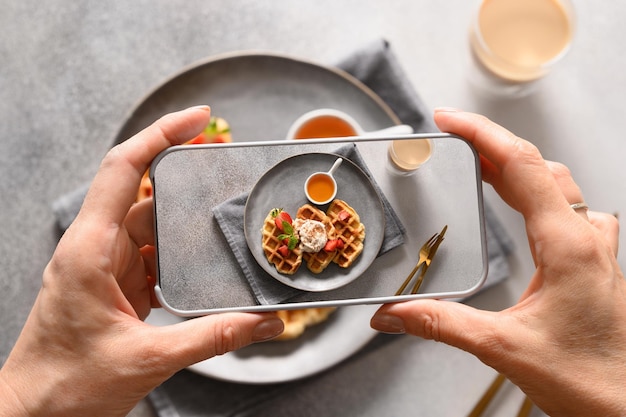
[578,206]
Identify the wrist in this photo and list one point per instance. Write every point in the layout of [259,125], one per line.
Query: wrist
[10,404]
[589,389]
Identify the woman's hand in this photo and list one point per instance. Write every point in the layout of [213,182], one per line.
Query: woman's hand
[84,350]
[564,342]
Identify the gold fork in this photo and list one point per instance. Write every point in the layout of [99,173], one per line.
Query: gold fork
[484,401]
[426,254]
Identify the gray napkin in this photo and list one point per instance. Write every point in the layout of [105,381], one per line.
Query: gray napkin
[230,214]
[344,389]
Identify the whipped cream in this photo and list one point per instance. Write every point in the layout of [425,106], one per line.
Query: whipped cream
[312,234]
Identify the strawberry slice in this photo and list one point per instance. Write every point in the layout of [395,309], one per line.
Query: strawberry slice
[197,140]
[288,235]
[283,250]
[221,139]
[343,215]
[285,216]
[331,245]
[280,218]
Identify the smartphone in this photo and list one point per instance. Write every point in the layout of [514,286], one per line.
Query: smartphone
[219,248]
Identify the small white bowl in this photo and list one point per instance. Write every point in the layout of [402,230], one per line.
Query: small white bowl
[323,176]
[337,124]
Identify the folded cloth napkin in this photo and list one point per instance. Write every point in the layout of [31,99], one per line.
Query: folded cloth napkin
[187,394]
[230,214]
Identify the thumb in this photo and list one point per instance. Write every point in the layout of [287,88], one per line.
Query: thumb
[449,322]
[201,338]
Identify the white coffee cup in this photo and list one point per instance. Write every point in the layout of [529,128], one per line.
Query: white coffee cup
[331,123]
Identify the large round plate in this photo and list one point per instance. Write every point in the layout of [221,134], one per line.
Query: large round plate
[319,348]
[283,186]
[260,95]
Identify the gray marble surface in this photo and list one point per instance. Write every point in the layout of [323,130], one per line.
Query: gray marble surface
[71,71]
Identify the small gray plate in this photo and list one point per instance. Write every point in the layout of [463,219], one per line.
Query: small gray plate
[282,186]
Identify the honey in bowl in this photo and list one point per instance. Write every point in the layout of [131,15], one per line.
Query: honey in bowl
[321,187]
[325,126]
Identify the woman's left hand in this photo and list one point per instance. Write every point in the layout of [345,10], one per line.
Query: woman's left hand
[84,349]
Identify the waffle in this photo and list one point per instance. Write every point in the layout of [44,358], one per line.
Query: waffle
[270,244]
[296,321]
[317,261]
[351,231]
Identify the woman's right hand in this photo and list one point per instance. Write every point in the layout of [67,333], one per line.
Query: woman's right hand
[564,342]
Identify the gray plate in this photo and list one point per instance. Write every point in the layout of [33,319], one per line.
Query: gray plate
[282,186]
[260,95]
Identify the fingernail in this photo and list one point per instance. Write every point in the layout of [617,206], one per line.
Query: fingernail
[267,329]
[387,323]
[201,107]
[447,110]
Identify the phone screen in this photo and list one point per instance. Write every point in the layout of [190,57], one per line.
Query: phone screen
[220,247]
